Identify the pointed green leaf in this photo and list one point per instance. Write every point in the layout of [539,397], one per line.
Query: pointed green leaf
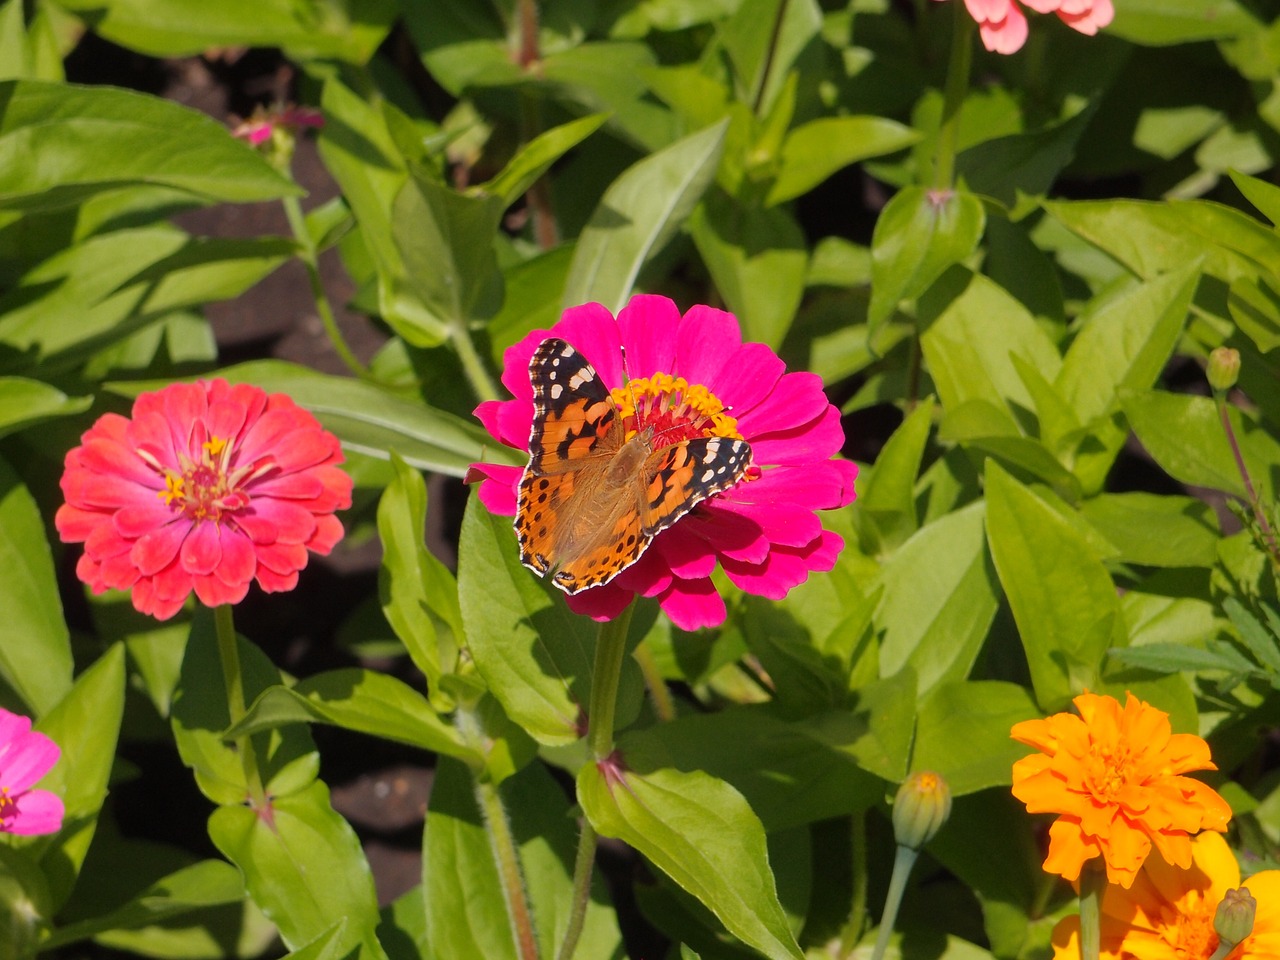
[885,511]
[1063,600]
[1158,531]
[963,733]
[536,157]
[701,833]
[815,150]
[638,214]
[24,403]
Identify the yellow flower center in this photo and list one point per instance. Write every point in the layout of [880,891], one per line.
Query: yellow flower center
[207,488]
[1191,933]
[674,408]
[1108,770]
[8,806]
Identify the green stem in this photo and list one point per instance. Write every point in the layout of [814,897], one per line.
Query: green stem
[757,95]
[958,68]
[233,678]
[903,861]
[1093,883]
[473,367]
[298,224]
[858,898]
[663,706]
[507,857]
[611,648]
[1255,502]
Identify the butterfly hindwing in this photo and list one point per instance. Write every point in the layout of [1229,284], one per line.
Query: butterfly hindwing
[682,475]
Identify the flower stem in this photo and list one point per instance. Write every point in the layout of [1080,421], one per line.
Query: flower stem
[663,706]
[507,857]
[233,677]
[1255,502]
[1093,882]
[482,384]
[298,224]
[903,861]
[611,648]
[958,68]
[858,871]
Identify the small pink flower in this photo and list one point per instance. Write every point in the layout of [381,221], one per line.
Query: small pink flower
[25,757]
[1003,26]
[208,487]
[763,532]
[258,129]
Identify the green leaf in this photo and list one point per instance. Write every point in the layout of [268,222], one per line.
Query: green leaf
[1174,658]
[1160,23]
[366,418]
[1022,163]
[757,258]
[1257,640]
[1184,435]
[885,511]
[1062,598]
[971,330]
[1158,531]
[963,733]
[418,594]
[701,833]
[1265,196]
[534,654]
[24,403]
[303,866]
[36,661]
[86,726]
[209,883]
[764,39]
[1255,308]
[466,915]
[362,700]
[136,140]
[638,214]
[918,235]
[536,157]
[934,616]
[815,150]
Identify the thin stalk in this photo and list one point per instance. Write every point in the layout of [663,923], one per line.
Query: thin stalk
[507,857]
[1255,502]
[298,224]
[611,648]
[858,900]
[473,367]
[663,706]
[903,861]
[1093,883]
[757,95]
[546,232]
[233,678]
[958,68]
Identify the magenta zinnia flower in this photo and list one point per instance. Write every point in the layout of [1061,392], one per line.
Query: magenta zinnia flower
[25,757]
[1003,26]
[695,372]
[208,487]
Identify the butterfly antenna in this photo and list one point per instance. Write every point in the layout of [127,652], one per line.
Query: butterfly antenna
[626,377]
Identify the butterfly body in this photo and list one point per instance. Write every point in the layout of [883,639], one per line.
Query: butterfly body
[591,499]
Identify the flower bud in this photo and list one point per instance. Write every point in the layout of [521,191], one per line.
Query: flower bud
[920,809]
[1224,368]
[1234,920]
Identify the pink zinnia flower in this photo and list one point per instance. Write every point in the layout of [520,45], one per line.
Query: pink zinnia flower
[208,487]
[25,757]
[696,374]
[1003,26]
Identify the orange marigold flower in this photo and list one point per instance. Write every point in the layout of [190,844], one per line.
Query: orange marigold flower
[1168,912]
[1112,775]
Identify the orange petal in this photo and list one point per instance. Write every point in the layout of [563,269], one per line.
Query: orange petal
[1069,848]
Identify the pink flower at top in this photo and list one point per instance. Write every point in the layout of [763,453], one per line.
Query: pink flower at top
[207,487]
[1003,26]
[259,128]
[25,757]
[692,376]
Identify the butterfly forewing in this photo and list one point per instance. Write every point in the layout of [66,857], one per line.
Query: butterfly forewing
[574,418]
[684,474]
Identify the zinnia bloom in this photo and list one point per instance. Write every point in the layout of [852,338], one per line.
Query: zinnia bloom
[1003,26]
[25,757]
[208,487]
[1168,912]
[1112,774]
[691,372]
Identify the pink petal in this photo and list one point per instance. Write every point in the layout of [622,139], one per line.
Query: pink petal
[202,550]
[600,603]
[747,379]
[592,330]
[156,550]
[112,457]
[649,326]
[686,555]
[39,811]
[13,726]
[140,518]
[280,558]
[705,341]
[329,531]
[729,533]
[304,485]
[293,524]
[26,758]
[814,441]
[277,582]
[786,567]
[239,559]
[796,398]
[213,591]
[498,492]
[693,604]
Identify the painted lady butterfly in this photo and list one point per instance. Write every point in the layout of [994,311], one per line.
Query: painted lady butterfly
[591,501]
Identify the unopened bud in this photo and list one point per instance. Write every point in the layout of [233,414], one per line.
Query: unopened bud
[1224,368]
[1234,920]
[920,809]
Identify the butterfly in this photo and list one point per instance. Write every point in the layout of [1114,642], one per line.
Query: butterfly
[591,501]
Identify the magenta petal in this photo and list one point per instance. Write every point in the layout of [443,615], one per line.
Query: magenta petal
[729,533]
[796,398]
[685,554]
[12,726]
[140,518]
[648,324]
[693,604]
[813,442]
[202,550]
[239,560]
[747,379]
[39,811]
[156,550]
[515,421]
[599,603]
[25,760]
[498,490]
[592,330]
[705,342]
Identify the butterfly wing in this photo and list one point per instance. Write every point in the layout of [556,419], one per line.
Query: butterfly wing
[682,475]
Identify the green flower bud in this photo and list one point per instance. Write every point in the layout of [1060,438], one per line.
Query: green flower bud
[920,809]
[1234,920]
[1224,368]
